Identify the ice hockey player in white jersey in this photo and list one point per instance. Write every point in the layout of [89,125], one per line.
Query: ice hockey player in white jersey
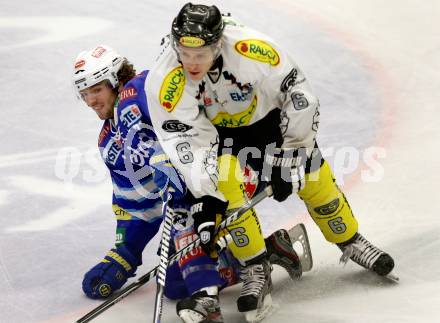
[234,96]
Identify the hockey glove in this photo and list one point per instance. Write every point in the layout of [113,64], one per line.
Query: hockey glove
[110,274]
[204,213]
[287,171]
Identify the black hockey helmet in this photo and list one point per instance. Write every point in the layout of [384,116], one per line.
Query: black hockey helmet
[197,25]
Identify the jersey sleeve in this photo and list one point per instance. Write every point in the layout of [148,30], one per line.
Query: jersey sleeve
[185,133]
[288,86]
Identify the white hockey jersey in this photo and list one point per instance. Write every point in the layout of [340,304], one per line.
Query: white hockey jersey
[252,76]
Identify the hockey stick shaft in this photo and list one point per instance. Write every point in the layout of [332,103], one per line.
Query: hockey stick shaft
[179,254]
[163,264]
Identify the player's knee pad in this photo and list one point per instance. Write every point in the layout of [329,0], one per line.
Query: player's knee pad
[245,231]
[110,274]
[328,206]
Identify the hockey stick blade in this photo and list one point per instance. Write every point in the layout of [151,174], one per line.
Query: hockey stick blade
[298,234]
[233,215]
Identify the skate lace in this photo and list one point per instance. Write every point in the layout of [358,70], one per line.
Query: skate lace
[253,278]
[362,252]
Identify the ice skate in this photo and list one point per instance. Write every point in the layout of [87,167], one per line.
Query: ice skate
[200,307]
[255,299]
[362,252]
[280,252]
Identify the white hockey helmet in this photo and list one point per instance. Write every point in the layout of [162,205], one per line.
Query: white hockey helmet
[95,65]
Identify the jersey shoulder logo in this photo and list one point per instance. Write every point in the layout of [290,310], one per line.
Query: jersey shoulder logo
[172,88]
[258,50]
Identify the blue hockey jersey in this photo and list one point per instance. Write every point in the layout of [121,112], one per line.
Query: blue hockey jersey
[139,169]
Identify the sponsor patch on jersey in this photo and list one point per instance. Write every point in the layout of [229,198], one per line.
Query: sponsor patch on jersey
[98,51]
[80,64]
[111,152]
[258,50]
[130,115]
[175,126]
[250,181]
[289,81]
[224,119]
[328,208]
[189,41]
[127,93]
[120,213]
[172,89]
[120,236]
[104,132]
[183,240]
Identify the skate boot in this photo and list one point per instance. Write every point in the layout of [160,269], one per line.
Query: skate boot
[200,307]
[280,252]
[255,299]
[362,252]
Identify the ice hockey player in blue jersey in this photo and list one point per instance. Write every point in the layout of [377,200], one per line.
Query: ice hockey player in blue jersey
[139,170]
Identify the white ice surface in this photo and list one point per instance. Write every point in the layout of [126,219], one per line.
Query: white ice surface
[375,67]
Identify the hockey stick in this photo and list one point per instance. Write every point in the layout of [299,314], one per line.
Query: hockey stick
[232,216]
[163,263]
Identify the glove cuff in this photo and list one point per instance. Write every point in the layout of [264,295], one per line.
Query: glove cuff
[204,225]
[210,205]
[205,209]
[283,157]
[124,258]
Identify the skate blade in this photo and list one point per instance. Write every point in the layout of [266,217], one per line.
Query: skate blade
[258,315]
[393,277]
[301,244]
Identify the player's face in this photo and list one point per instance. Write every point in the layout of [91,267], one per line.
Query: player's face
[196,61]
[101,98]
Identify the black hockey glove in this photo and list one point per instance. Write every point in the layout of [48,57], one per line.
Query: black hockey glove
[287,171]
[204,212]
